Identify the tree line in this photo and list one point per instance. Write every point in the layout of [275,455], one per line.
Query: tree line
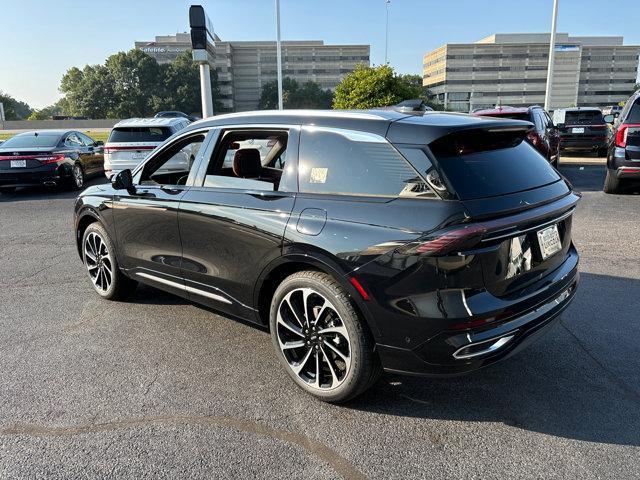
[133,84]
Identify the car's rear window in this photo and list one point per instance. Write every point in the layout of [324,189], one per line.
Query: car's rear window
[481,164]
[584,118]
[139,134]
[32,140]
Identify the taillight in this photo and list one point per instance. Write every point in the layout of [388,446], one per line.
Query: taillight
[446,241]
[621,134]
[533,137]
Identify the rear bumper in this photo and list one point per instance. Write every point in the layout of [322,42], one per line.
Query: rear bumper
[457,352]
[624,164]
[582,143]
[49,175]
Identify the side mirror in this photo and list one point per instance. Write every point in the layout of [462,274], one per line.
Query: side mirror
[559,125]
[609,118]
[123,180]
[98,143]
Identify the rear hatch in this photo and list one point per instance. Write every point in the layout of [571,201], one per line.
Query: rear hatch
[517,207]
[584,124]
[128,146]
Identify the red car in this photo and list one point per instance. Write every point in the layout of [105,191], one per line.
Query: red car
[544,137]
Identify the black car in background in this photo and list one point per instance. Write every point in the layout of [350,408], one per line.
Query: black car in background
[49,157]
[543,137]
[623,158]
[582,128]
[430,245]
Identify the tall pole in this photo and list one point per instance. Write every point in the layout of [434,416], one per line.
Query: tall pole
[386,35]
[279,54]
[552,51]
[205,90]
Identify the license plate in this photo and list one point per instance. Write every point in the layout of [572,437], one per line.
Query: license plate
[139,155]
[549,240]
[577,130]
[18,163]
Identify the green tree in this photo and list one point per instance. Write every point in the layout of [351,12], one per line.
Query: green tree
[133,84]
[14,109]
[371,87]
[309,95]
[180,89]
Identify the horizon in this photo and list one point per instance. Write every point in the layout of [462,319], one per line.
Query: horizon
[352,22]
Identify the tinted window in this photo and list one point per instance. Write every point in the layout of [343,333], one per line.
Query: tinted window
[584,118]
[139,134]
[73,141]
[483,165]
[634,113]
[351,163]
[31,140]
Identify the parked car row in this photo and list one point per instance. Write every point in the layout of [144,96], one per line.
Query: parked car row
[67,158]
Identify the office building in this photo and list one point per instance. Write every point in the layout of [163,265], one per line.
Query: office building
[244,67]
[511,69]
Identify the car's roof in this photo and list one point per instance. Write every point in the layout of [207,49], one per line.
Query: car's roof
[150,122]
[51,133]
[422,129]
[503,110]
[579,109]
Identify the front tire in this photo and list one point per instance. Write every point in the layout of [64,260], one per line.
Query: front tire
[98,256]
[611,183]
[320,339]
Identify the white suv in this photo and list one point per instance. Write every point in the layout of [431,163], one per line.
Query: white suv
[130,141]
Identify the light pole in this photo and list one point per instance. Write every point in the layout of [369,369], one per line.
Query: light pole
[386,35]
[279,54]
[552,51]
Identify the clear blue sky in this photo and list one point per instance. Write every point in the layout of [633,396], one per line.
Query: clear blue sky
[41,39]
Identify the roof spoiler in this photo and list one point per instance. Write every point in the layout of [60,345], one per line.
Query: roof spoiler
[433,126]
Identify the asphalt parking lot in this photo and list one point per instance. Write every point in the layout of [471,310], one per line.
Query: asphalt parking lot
[161,387]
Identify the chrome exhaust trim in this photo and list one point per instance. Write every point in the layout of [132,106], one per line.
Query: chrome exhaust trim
[482,348]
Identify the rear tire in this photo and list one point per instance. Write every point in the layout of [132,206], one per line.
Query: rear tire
[611,183]
[76,182]
[327,351]
[98,256]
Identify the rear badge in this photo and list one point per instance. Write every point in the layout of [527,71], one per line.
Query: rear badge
[520,256]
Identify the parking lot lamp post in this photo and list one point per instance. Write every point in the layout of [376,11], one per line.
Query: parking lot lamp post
[279,54]
[552,51]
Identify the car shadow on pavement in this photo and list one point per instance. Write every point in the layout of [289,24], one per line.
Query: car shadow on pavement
[581,381]
[590,178]
[47,193]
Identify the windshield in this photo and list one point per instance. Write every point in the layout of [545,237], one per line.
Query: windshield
[139,134]
[32,140]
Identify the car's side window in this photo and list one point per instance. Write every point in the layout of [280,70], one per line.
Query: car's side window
[173,165]
[537,118]
[87,141]
[73,141]
[344,162]
[251,159]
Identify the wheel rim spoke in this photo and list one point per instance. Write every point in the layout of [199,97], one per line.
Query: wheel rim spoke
[98,262]
[308,325]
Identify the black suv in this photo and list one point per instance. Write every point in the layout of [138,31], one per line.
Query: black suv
[623,158]
[432,244]
[582,128]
